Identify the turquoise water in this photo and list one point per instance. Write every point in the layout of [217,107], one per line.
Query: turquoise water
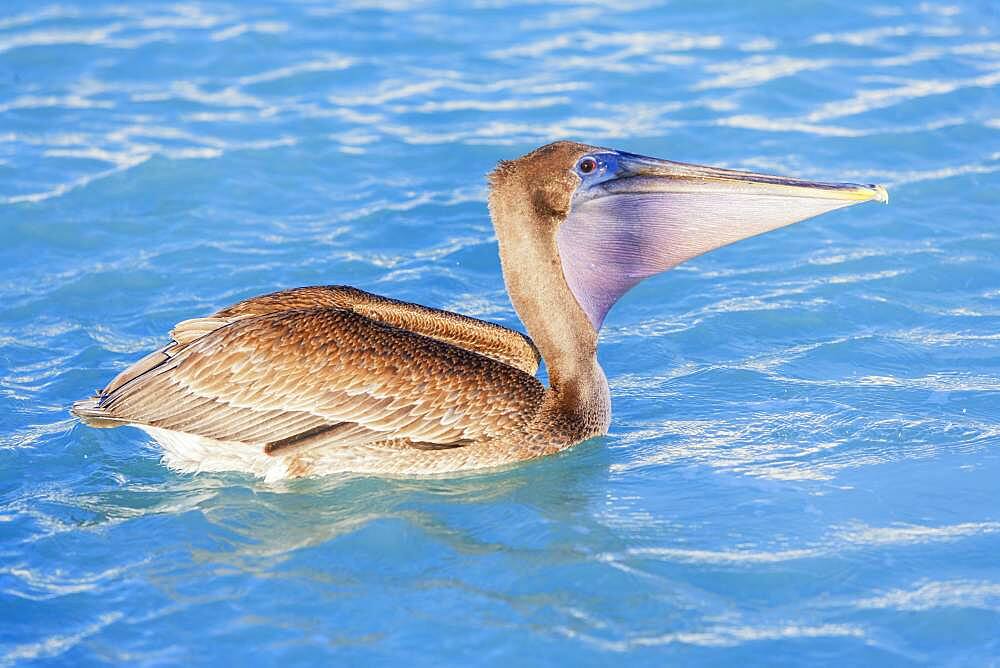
[803,462]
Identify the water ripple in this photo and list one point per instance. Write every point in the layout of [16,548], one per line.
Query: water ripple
[934,595]
[58,644]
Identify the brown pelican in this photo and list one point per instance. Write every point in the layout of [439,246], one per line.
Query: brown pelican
[326,379]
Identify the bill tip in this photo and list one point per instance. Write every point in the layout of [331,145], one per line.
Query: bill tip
[881,194]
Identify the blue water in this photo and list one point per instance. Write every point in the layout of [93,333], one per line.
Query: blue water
[803,463]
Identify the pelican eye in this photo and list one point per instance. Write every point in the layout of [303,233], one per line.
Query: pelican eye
[586,165]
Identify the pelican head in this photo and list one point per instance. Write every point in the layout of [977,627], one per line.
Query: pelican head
[613,218]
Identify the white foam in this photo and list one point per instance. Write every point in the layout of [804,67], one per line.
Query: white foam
[719,636]
[937,594]
[328,63]
[57,644]
[758,70]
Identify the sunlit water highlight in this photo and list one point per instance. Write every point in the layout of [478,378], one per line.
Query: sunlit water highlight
[803,461]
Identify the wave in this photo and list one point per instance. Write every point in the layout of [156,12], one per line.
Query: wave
[721,636]
[58,644]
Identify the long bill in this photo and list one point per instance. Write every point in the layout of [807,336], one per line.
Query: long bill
[641,174]
[655,214]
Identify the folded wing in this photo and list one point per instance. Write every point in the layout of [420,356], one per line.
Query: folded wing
[486,338]
[318,376]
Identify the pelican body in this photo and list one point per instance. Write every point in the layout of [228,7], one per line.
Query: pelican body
[330,379]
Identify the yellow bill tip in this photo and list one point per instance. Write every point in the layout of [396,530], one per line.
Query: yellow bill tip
[865,193]
[881,194]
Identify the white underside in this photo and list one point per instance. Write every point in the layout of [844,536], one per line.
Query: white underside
[190,453]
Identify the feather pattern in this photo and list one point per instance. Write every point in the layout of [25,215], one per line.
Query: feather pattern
[297,371]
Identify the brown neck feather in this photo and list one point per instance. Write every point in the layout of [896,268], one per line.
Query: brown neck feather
[534,277]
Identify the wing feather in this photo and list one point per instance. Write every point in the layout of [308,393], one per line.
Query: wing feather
[328,376]
[486,338]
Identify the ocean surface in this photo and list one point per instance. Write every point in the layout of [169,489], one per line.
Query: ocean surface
[804,460]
